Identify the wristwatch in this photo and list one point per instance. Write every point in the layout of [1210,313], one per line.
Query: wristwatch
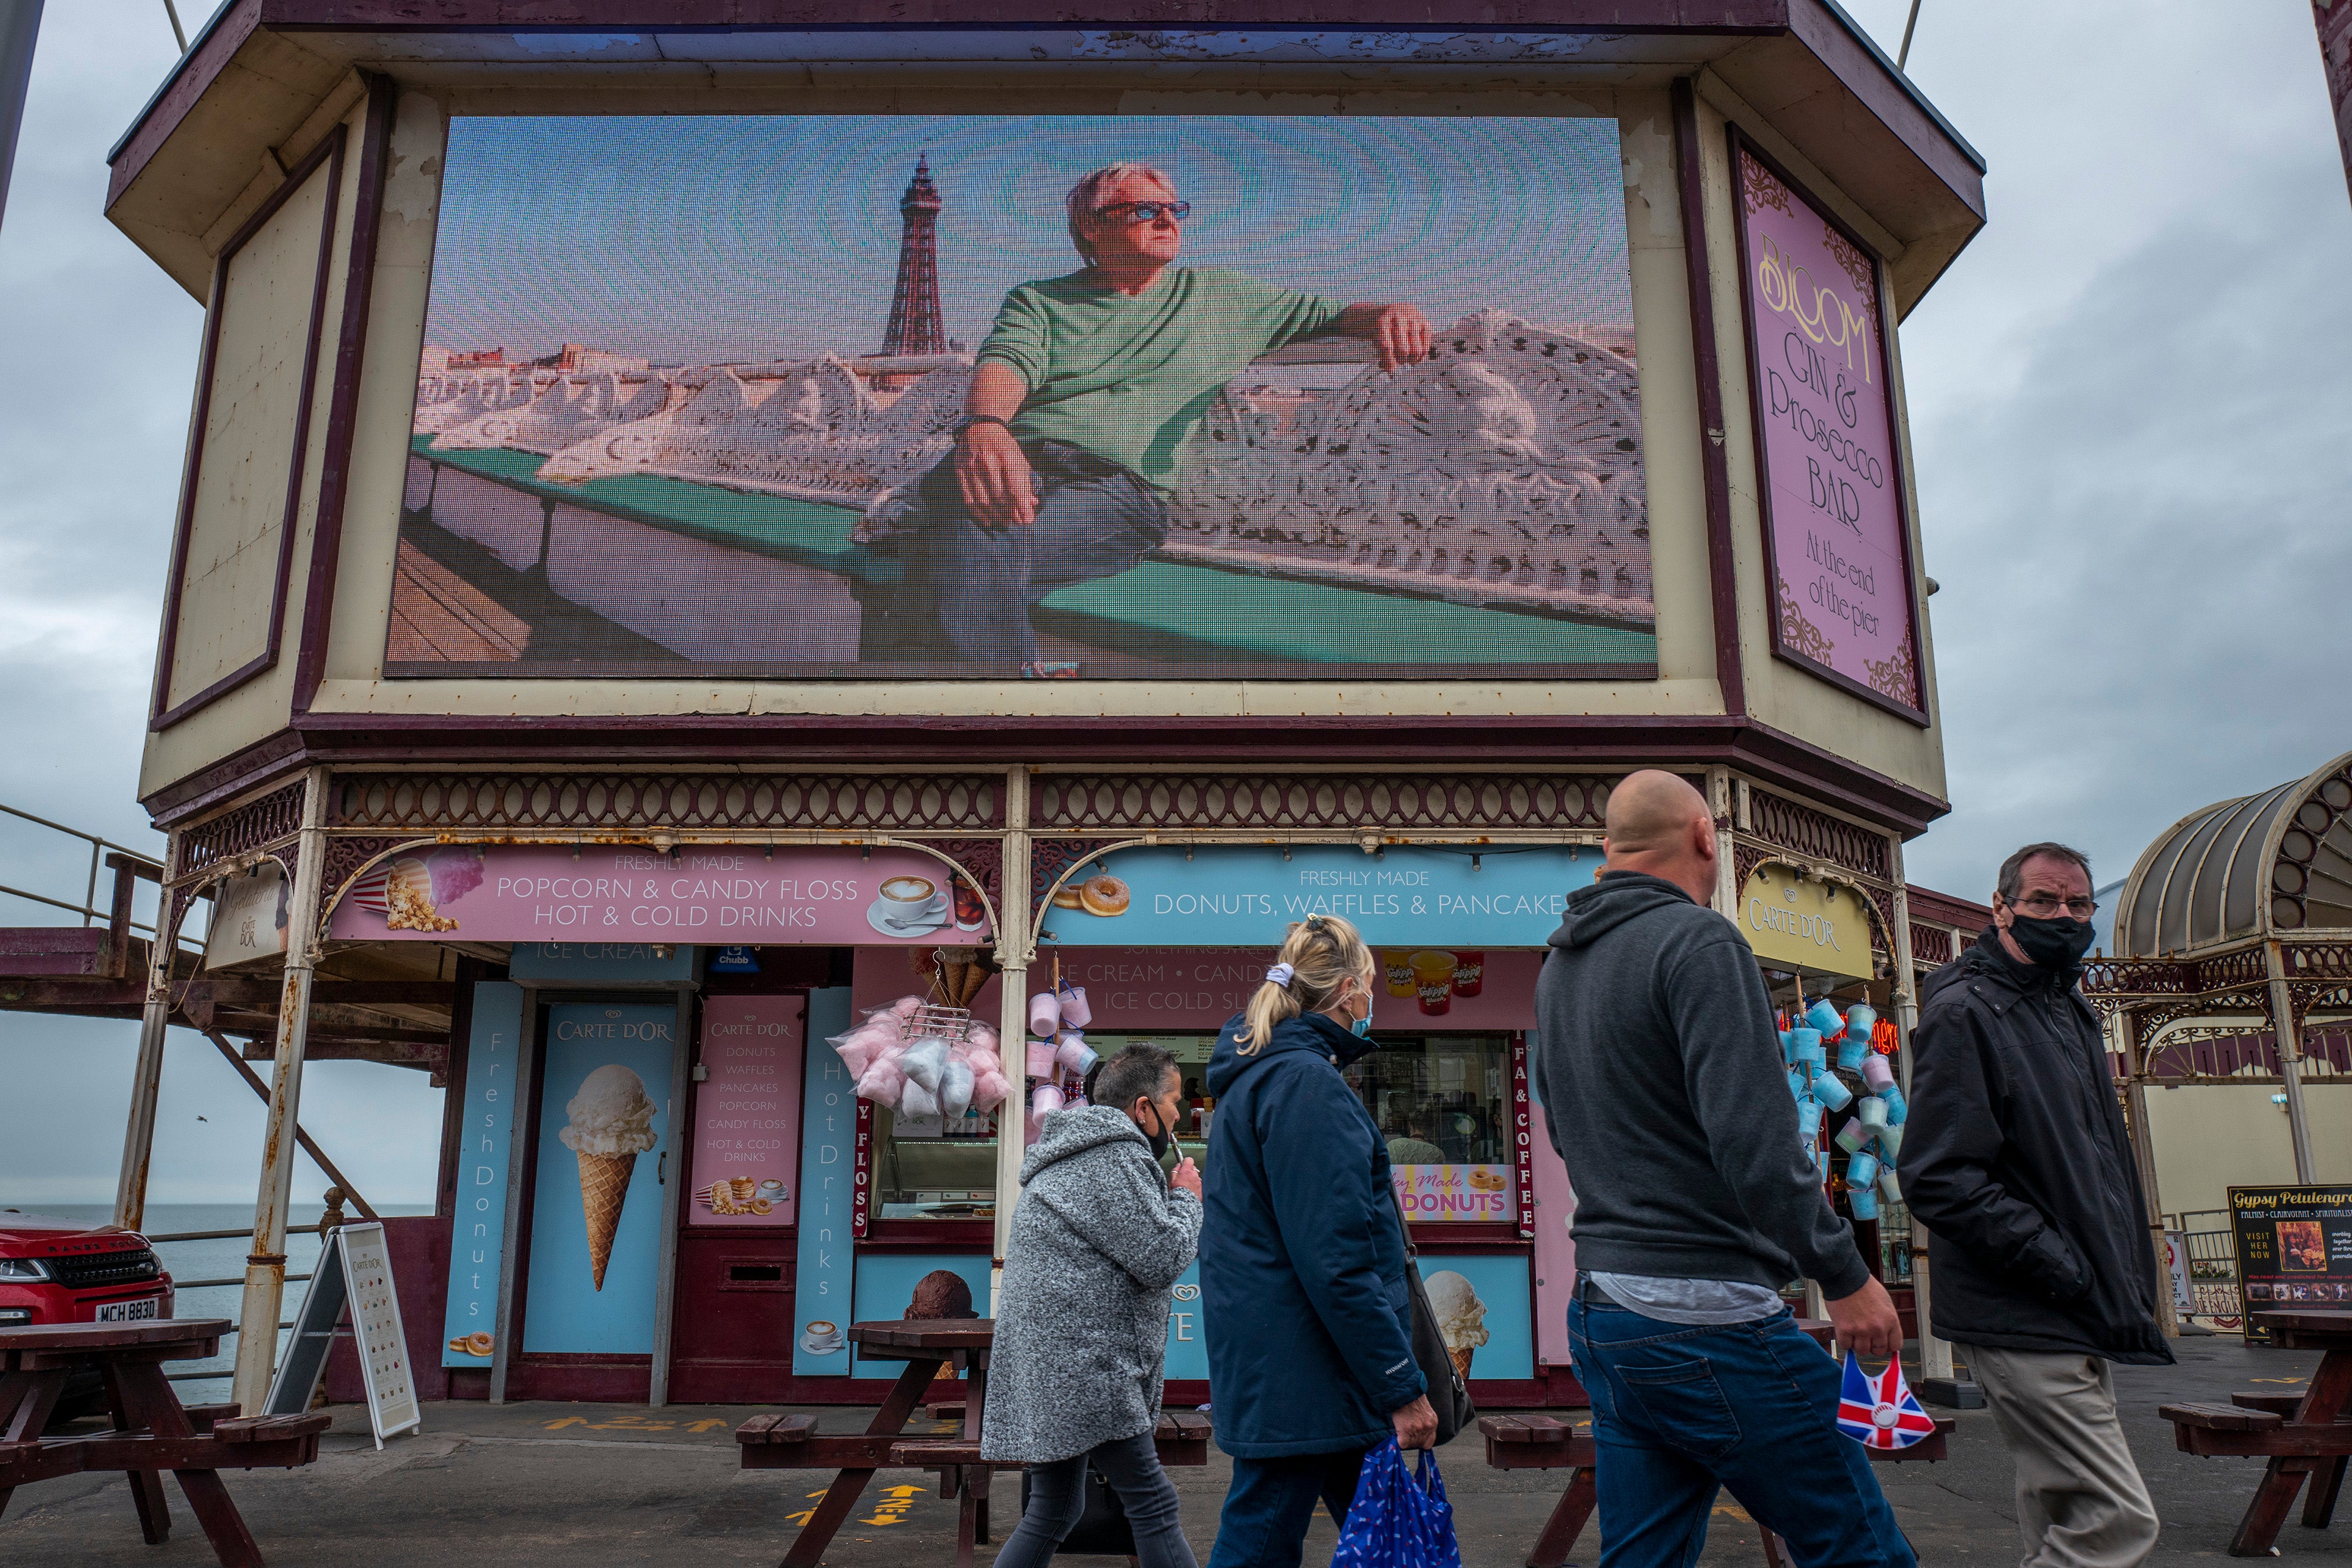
[967,420]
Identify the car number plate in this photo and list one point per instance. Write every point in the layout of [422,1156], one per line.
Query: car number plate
[129,1311]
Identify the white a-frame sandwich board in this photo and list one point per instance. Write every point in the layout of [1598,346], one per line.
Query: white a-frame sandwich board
[354,1269]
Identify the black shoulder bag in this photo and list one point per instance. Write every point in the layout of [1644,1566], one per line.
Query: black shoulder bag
[1448,1395]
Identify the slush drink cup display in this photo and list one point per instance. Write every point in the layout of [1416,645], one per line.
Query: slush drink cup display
[611,1125]
[1469,973]
[1397,966]
[1433,978]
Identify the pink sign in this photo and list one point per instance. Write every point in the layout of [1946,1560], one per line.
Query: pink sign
[747,1112]
[550,893]
[1836,537]
[1555,1214]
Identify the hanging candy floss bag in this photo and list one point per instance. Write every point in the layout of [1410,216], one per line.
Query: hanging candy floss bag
[1397,1520]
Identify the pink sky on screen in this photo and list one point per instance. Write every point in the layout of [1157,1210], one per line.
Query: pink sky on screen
[1834,482]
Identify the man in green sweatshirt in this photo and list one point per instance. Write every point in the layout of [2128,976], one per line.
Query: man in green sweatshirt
[1082,392]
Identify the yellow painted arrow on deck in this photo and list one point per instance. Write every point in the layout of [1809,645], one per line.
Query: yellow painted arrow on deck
[905,1491]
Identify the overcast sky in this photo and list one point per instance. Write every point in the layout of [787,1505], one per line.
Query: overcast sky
[2130,404]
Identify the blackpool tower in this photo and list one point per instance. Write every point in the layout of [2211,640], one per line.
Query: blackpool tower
[916,326]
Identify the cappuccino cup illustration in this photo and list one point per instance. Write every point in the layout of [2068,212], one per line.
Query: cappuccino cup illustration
[819,1337]
[908,897]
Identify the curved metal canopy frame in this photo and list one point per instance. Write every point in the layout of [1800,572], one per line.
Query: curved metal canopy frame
[2254,868]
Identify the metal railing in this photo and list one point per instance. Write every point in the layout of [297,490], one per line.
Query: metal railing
[2217,1293]
[156,1239]
[87,908]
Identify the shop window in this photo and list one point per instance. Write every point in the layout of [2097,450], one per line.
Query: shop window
[1442,1102]
[927,1168]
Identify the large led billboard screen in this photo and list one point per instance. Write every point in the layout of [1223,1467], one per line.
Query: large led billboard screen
[889,398]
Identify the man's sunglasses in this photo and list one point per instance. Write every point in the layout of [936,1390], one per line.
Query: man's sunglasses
[1146,212]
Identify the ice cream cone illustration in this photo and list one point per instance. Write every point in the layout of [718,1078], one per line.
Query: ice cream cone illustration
[1461,1317]
[612,1125]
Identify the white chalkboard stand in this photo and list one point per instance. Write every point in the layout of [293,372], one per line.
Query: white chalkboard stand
[354,1270]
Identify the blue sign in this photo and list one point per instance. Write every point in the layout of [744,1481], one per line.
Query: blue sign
[821,1301]
[1248,896]
[1188,1336]
[604,1148]
[603,963]
[1483,1307]
[885,1287]
[734,960]
[477,1235]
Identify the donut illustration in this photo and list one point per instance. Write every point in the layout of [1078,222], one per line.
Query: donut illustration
[1104,894]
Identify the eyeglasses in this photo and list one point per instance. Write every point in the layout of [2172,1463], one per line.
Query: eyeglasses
[1146,212]
[2041,906]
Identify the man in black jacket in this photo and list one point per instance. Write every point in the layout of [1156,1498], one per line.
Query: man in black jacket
[2017,1162]
[1663,1090]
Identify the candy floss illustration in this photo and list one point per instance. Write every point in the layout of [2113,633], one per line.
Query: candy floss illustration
[612,1125]
[1461,1316]
[410,892]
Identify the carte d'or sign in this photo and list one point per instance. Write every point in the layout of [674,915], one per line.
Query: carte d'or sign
[1811,926]
[1834,533]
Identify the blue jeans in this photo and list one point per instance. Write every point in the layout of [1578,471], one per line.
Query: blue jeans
[969,589]
[1271,1502]
[1680,1410]
[1058,1500]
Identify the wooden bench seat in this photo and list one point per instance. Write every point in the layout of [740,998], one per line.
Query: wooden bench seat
[202,1416]
[933,1453]
[270,1428]
[2283,1406]
[2237,1431]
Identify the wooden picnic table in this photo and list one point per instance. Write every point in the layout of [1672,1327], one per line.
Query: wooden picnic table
[925,1344]
[2302,1435]
[153,1432]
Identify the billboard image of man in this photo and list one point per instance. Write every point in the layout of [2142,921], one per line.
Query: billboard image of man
[1082,396]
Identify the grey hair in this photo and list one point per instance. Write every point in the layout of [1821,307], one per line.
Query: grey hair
[1090,189]
[1139,1073]
[2012,870]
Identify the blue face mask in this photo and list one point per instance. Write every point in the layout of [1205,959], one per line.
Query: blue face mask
[1362,1028]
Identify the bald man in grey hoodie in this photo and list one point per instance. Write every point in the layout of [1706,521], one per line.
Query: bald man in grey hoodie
[1664,1092]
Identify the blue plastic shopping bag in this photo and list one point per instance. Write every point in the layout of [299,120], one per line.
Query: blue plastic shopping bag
[1397,1520]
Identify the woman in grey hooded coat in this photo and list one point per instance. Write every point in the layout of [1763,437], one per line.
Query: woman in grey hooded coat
[1074,1377]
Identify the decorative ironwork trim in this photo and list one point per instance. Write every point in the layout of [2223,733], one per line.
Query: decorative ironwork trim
[686,802]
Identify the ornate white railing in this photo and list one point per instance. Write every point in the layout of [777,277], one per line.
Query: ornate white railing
[1507,468]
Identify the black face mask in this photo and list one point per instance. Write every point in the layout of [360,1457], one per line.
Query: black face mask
[1162,1138]
[2052,944]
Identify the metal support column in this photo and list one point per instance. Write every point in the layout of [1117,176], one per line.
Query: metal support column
[1903,995]
[1719,807]
[2143,1149]
[1014,947]
[265,1267]
[2287,1030]
[147,1077]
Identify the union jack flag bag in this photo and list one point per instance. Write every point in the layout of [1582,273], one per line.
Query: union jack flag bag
[1881,1412]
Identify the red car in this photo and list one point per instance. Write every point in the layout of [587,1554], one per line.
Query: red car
[69,1271]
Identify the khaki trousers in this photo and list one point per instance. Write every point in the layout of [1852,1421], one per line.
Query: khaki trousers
[2080,1499]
